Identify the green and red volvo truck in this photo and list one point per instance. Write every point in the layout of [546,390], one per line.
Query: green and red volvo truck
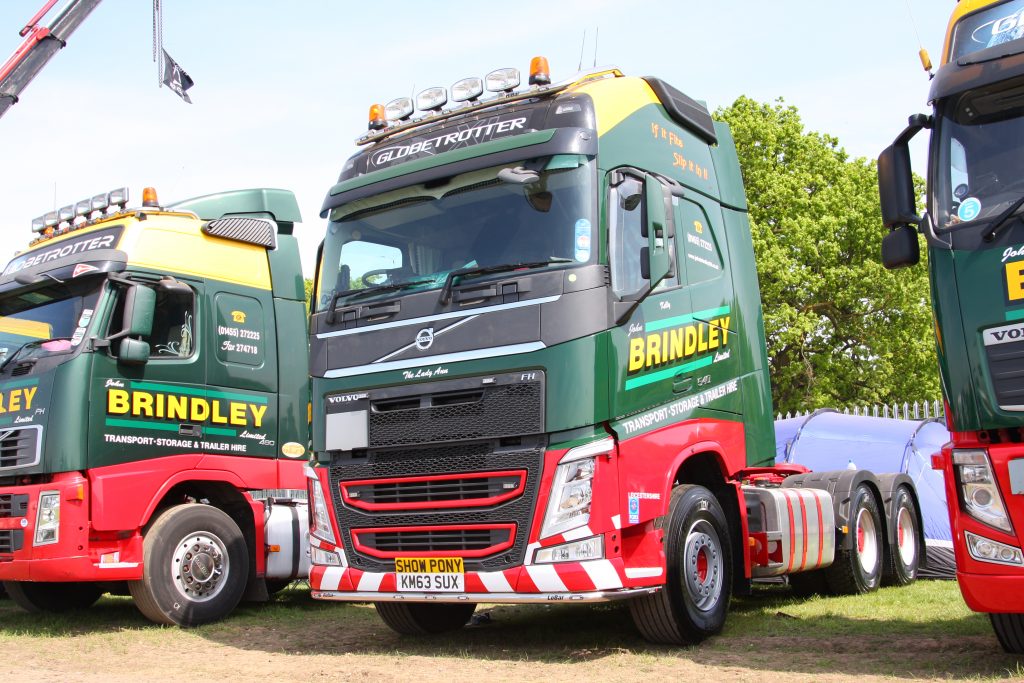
[539,373]
[154,405]
[975,242]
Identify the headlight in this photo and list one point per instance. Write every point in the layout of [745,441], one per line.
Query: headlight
[572,488]
[320,523]
[47,518]
[978,489]
[578,551]
[987,550]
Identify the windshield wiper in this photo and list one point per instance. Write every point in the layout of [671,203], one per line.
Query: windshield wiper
[1003,219]
[449,281]
[14,355]
[356,293]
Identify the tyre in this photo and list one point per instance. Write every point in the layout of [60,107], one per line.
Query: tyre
[1009,630]
[693,603]
[421,619]
[902,556]
[196,565]
[858,569]
[806,584]
[52,597]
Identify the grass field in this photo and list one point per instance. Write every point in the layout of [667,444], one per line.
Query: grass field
[921,632]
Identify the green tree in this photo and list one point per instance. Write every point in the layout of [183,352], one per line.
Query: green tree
[309,293]
[840,328]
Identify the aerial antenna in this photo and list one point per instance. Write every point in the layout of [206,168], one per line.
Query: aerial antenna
[582,45]
[158,41]
[597,34]
[922,53]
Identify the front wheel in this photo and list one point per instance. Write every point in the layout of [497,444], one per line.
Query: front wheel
[693,603]
[421,619]
[1009,630]
[858,569]
[52,597]
[902,555]
[196,567]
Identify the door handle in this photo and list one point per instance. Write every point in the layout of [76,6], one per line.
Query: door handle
[682,385]
[190,430]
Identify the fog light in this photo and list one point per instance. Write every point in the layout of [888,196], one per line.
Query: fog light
[319,556]
[986,550]
[48,518]
[578,551]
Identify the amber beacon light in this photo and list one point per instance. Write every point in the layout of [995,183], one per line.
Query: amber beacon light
[540,73]
[377,117]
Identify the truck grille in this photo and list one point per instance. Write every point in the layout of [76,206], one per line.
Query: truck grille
[19,447]
[452,467]
[11,540]
[13,505]
[464,541]
[1006,367]
[457,410]
[475,489]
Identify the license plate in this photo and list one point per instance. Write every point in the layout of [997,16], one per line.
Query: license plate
[1016,468]
[430,574]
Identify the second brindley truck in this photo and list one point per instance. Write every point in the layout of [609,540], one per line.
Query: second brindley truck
[539,373]
[154,406]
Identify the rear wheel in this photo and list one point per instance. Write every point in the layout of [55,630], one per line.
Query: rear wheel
[52,597]
[1009,630]
[902,556]
[196,567]
[693,603]
[421,619]
[858,569]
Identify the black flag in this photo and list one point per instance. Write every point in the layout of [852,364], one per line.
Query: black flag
[175,78]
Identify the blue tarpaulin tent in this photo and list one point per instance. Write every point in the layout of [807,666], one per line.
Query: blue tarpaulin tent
[829,440]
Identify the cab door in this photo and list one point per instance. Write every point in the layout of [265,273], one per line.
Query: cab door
[155,407]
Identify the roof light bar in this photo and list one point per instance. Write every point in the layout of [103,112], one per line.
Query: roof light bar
[468,89]
[502,80]
[398,109]
[118,197]
[100,202]
[83,208]
[432,99]
[66,214]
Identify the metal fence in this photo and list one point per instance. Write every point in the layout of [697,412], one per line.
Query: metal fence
[919,410]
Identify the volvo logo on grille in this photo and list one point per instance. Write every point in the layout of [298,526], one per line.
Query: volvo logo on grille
[425,338]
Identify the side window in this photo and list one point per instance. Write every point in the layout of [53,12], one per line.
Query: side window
[625,217]
[369,263]
[174,326]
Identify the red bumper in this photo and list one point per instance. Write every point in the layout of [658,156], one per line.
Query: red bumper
[77,554]
[986,586]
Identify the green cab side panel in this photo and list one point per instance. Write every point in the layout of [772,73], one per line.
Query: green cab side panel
[727,167]
[286,269]
[293,373]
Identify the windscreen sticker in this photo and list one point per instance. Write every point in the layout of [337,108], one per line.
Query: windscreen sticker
[582,240]
[83,320]
[969,209]
[659,351]
[78,336]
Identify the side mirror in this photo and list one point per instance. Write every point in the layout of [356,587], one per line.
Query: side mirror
[655,255]
[139,309]
[895,177]
[900,248]
[133,352]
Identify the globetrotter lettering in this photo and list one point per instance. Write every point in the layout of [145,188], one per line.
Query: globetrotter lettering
[71,248]
[184,408]
[677,343]
[434,145]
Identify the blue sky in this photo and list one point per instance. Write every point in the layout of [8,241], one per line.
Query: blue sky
[283,88]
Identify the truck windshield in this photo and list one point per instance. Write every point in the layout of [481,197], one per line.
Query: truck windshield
[977,174]
[48,320]
[539,212]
